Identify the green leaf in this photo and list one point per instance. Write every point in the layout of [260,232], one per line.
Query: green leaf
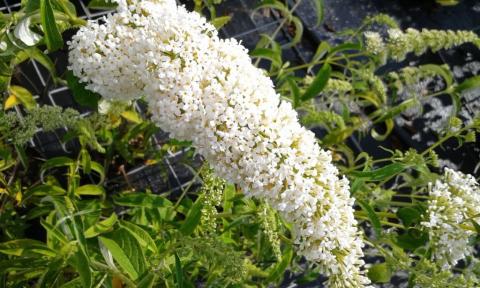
[468,84]
[219,22]
[297,23]
[389,125]
[318,83]
[81,94]
[322,50]
[42,58]
[396,110]
[53,232]
[380,273]
[319,8]
[142,200]
[97,168]
[86,161]
[412,239]
[380,173]
[23,95]
[31,5]
[56,162]
[270,54]
[90,189]
[440,70]
[409,215]
[26,247]
[74,283]
[101,227]
[143,238]
[50,276]
[294,90]
[4,81]
[132,116]
[273,4]
[345,47]
[132,249]
[308,278]
[120,257]
[24,264]
[357,183]
[22,156]
[80,262]
[228,196]
[372,216]
[53,38]
[102,4]
[147,280]
[476,226]
[69,9]
[338,136]
[179,281]
[193,217]
[279,269]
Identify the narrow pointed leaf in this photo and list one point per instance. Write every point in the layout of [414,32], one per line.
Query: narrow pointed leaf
[318,83]
[120,257]
[53,38]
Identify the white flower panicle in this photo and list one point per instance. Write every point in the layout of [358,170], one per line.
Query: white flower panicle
[454,199]
[206,90]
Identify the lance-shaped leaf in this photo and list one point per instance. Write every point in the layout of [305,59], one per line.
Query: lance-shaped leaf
[53,38]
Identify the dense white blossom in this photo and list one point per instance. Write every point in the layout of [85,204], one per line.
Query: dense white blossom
[374,42]
[206,90]
[454,199]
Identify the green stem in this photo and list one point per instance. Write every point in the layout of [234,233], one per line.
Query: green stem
[385,223]
[401,204]
[184,192]
[413,196]
[228,214]
[370,162]
[445,138]
[307,65]
[379,213]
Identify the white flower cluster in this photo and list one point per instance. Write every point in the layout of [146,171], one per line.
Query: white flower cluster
[399,43]
[374,42]
[454,199]
[207,91]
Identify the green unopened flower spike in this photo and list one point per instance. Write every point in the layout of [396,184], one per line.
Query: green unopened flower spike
[211,193]
[269,225]
[337,86]
[398,44]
